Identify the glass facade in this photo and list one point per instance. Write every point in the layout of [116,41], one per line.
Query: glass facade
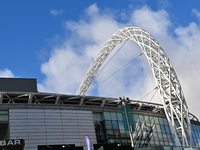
[4,117]
[149,130]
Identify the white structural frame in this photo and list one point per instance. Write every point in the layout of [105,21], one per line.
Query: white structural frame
[173,99]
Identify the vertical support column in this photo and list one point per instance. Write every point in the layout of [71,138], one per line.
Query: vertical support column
[1,98]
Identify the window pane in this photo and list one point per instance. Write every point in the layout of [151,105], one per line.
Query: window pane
[196,127]
[158,128]
[167,129]
[121,125]
[108,124]
[151,120]
[115,125]
[155,135]
[123,133]
[157,143]
[106,116]
[141,118]
[165,121]
[162,128]
[113,116]
[160,136]
[3,117]
[4,112]
[97,116]
[177,124]
[161,121]
[116,133]
[119,117]
[146,118]
[136,118]
[156,120]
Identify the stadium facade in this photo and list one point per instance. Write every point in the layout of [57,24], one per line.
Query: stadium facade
[48,119]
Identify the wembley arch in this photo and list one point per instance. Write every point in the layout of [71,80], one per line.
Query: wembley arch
[173,99]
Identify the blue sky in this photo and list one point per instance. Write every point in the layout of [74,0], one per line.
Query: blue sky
[56,41]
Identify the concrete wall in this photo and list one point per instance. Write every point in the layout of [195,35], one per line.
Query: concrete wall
[51,127]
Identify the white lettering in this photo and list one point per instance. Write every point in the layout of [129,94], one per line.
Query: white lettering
[10,142]
[2,143]
[17,142]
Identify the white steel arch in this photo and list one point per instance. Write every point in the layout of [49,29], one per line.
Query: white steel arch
[170,89]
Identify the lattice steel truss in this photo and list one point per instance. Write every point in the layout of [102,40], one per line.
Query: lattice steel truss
[170,89]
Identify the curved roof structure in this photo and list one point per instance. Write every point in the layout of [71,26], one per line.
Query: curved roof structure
[77,100]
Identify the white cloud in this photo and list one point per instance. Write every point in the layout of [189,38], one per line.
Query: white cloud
[6,73]
[69,62]
[196,12]
[56,12]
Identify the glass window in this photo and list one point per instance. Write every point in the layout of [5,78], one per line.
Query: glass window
[177,124]
[177,148]
[118,141]
[152,143]
[146,118]
[4,112]
[166,143]
[122,133]
[151,120]
[160,136]
[162,143]
[113,116]
[115,125]
[158,128]
[196,127]
[116,132]
[165,137]
[121,125]
[162,128]
[155,135]
[167,129]
[192,127]
[136,118]
[4,115]
[161,121]
[154,128]
[157,143]
[97,116]
[109,132]
[156,120]
[193,133]
[167,148]
[171,144]
[119,117]
[165,121]
[110,141]
[108,124]
[198,133]
[106,116]
[141,118]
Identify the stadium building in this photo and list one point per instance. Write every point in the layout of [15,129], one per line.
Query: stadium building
[49,121]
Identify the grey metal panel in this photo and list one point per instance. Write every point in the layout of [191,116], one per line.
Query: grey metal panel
[33,110]
[48,126]
[18,85]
